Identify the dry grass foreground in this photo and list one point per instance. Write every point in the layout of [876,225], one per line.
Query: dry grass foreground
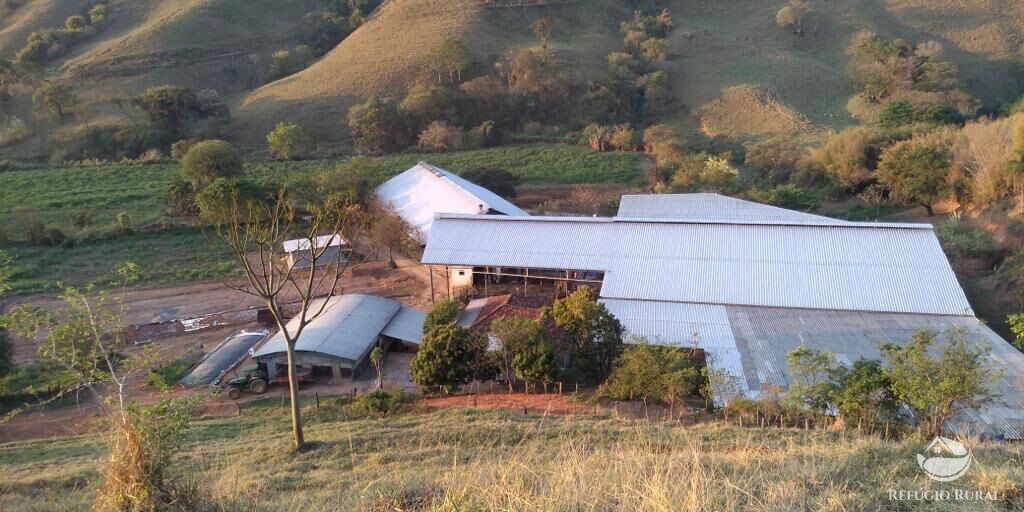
[466,459]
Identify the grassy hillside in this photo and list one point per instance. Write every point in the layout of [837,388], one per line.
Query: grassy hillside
[475,460]
[717,46]
[31,16]
[217,44]
[386,55]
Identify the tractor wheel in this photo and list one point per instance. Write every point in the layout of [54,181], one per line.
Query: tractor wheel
[234,393]
[258,386]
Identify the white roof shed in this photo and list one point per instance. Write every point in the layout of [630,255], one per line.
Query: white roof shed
[424,191]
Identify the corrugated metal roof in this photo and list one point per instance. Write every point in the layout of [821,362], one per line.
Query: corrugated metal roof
[318,243]
[706,206]
[765,335]
[848,266]
[425,190]
[347,328]
[407,325]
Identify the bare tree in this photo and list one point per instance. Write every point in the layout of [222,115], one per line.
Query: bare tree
[388,230]
[256,230]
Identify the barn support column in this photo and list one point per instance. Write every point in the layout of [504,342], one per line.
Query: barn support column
[526,283]
[336,372]
[430,270]
[487,277]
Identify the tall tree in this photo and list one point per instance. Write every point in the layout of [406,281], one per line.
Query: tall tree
[255,231]
[542,29]
[54,100]
[917,172]
[593,334]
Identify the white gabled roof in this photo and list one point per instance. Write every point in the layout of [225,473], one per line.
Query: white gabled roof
[710,207]
[424,190]
[850,266]
[302,244]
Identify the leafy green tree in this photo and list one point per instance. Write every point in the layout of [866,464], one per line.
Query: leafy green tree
[897,113]
[864,394]
[377,125]
[958,375]
[377,358]
[450,57]
[1016,323]
[499,181]
[173,112]
[54,100]
[649,372]
[916,171]
[289,141]
[533,357]
[511,333]
[444,312]
[450,357]
[815,376]
[592,333]
[75,23]
[216,200]
[76,338]
[209,160]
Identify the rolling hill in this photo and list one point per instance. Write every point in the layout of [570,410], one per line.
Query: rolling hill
[733,71]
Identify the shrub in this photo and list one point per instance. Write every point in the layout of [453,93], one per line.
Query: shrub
[13,130]
[287,62]
[180,149]
[380,402]
[450,357]
[441,137]
[216,200]
[209,160]
[964,240]
[791,16]
[377,125]
[1016,323]
[864,394]
[288,141]
[815,375]
[935,382]
[649,372]
[623,138]
[122,223]
[850,156]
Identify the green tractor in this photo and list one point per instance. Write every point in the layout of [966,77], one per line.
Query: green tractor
[253,379]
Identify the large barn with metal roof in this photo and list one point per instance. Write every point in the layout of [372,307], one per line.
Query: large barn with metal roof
[745,282]
[423,191]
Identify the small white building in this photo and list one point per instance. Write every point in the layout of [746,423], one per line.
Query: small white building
[299,252]
[423,191]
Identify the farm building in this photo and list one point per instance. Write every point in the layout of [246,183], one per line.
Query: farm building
[299,252]
[339,342]
[423,191]
[745,289]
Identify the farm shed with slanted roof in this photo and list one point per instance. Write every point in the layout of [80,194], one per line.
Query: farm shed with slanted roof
[746,289]
[340,340]
[335,250]
[423,191]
